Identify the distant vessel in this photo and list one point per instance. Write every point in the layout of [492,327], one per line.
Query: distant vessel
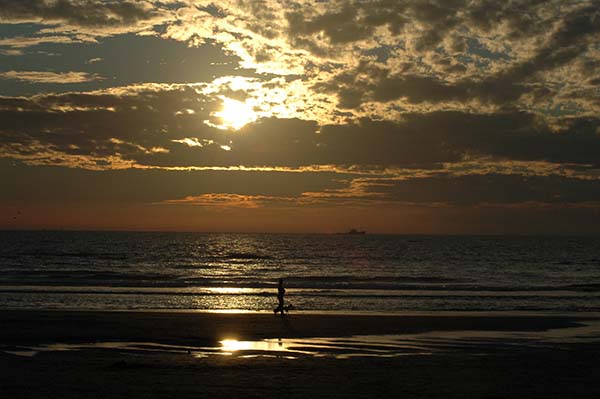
[354,231]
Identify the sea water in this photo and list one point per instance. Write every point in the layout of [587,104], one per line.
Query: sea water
[322,272]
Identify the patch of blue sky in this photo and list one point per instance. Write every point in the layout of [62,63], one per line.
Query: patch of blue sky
[24,29]
[11,88]
[568,108]
[213,10]
[123,59]
[474,46]
[481,63]
[170,5]
[383,53]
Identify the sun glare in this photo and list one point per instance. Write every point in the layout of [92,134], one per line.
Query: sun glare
[235,114]
[233,345]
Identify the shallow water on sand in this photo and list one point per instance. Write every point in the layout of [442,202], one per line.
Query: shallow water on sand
[426,343]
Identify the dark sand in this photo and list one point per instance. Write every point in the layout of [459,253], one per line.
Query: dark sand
[546,371]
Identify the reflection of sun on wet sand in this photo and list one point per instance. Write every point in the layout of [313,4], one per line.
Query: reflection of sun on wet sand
[155,354]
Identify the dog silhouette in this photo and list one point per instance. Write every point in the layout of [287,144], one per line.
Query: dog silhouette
[283,309]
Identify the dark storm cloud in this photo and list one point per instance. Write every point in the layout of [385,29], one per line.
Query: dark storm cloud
[80,13]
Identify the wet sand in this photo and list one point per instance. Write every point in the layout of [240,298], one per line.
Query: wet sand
[31,327]
[551,369]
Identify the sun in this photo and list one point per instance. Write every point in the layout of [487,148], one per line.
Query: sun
[235,114]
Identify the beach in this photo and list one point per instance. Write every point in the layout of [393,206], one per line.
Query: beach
[413,185]
[186,354]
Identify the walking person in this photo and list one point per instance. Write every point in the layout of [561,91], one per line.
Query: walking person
[280,299]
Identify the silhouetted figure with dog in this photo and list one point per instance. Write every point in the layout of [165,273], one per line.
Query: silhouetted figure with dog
[281,307]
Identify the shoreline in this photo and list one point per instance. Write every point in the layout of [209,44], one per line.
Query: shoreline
[446,313]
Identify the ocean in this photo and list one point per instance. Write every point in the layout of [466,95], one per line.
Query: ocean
[322,272]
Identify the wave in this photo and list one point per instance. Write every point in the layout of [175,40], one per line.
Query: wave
[303,293]
[75,254]
[583,287]
[384,279]
[242,286]
[246,255]
[159,279]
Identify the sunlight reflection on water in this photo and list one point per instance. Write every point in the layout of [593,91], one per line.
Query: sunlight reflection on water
[265,345]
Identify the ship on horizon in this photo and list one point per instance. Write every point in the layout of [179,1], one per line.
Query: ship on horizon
[354,232]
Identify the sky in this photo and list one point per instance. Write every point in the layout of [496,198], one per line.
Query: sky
[392,116]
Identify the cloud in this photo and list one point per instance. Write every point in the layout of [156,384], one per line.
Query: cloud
[385,104]
[381,58]
[162,125]
[378,58]
[52,184]
[488,189]
[574,35]
[50,77]
[86,13]
[217,200]
[21,42]
[438,191]
[76,21]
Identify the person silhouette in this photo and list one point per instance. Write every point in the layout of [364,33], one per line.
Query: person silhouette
[280,294]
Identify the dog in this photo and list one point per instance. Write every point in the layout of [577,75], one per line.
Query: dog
[285,308]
